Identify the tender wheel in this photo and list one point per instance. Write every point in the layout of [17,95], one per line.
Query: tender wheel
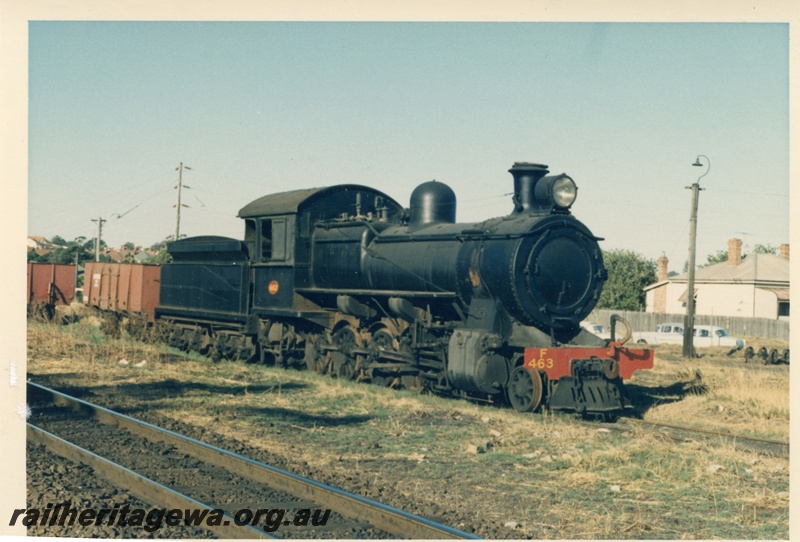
[411,383]
[380,378]
[524,390]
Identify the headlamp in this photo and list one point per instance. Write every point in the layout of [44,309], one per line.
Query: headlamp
[557,191]
[564,192]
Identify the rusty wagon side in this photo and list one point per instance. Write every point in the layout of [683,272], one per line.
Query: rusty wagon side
[50,284]
[122,287]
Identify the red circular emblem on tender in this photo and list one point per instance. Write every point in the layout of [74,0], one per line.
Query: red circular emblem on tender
[273,287]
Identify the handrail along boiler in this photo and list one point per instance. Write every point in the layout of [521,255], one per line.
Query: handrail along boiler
[343,280]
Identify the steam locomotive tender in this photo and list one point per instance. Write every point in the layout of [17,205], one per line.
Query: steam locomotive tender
[343,280]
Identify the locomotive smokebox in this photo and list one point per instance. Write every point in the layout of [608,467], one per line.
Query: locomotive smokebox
[432,203]
[526,175]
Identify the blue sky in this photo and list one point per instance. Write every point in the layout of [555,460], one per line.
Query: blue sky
[255,108]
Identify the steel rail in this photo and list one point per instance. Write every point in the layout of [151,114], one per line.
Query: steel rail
[382,516]
[756,444]
[749,442]
[140,486]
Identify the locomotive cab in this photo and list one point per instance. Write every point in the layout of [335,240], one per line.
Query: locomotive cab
[278,231]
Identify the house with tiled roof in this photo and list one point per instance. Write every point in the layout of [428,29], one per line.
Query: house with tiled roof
[36,241]
[752,286]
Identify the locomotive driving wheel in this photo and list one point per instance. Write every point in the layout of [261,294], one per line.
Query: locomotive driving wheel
[524,390]
[382,340]
[345,363]
[312,357]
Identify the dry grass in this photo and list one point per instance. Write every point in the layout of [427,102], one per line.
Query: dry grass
[738,397]
[554,478]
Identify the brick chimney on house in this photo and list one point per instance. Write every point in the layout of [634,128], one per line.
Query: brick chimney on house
[784,249]
[660,293]
[662,272]
[734,251]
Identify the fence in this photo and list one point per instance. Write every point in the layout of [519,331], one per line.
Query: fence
[738,327]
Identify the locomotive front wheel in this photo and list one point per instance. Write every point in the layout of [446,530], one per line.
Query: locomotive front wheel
[524,390]
[384,340]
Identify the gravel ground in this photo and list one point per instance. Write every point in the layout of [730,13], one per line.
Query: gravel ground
[359,481]
[204,482]
[55,480]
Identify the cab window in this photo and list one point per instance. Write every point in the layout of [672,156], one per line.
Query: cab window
[250,236]
[273,239]
[266,239]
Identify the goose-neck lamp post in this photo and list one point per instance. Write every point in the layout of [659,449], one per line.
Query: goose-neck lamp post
[688,327]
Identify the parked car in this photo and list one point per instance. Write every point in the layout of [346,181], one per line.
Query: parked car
[596,329]
[704,335]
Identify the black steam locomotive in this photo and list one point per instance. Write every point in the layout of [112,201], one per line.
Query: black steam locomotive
[343,280]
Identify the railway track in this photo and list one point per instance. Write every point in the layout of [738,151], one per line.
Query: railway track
[681,433]
[170,470]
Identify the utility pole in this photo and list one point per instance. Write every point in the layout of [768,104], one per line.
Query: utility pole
[180,186]
[100,222]
[688,324]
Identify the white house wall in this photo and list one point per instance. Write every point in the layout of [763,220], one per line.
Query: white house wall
[725,300]
[720,300]
[766,304]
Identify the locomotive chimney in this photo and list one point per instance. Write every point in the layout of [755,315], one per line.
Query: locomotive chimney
[526,175]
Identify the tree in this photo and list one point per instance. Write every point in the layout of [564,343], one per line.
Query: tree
[58,241]
[90,244]
[722,255]
[713,259]
[161,245]
[160,258]
[765,249]
[628,274]
[68,252]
